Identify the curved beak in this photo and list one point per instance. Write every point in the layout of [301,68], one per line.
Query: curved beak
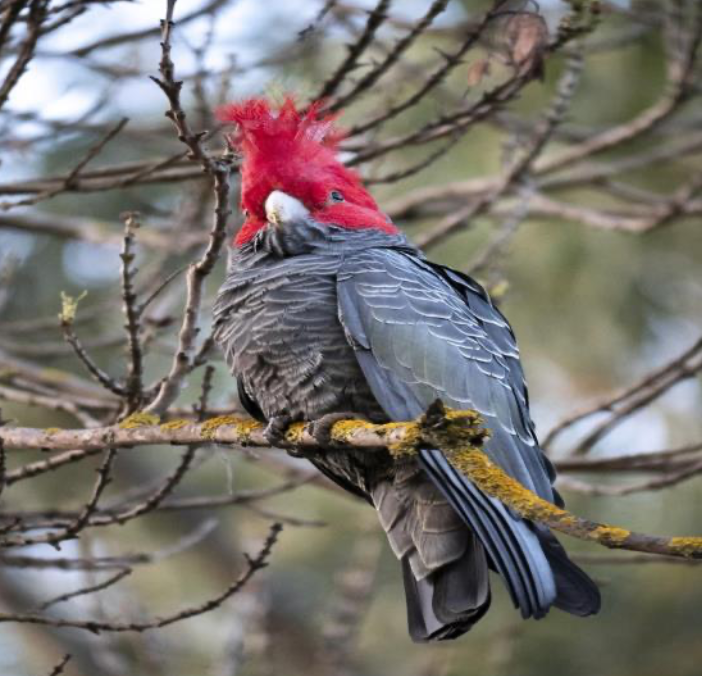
[282,209]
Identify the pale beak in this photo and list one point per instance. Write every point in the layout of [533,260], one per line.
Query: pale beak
[282,209]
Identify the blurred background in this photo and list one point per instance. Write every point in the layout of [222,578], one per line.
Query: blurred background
[558,150]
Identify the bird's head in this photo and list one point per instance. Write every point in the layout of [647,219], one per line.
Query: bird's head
[290,170]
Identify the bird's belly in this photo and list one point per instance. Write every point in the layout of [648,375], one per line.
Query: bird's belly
[286,344]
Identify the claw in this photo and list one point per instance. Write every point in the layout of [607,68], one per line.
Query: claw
[275,430]
[321,429]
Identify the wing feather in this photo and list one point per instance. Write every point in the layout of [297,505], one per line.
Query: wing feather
[418,338]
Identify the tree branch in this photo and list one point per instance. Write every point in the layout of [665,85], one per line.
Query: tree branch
[253,565]
[459,434]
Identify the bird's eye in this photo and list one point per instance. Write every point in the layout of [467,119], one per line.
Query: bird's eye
[336,196]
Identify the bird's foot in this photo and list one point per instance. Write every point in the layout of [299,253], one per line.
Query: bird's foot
[274,431]
[321,429]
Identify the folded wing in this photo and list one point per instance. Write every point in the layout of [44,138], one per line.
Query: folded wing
[421,332]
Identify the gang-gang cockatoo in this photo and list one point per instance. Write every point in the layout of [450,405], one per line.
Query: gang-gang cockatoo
[327,308]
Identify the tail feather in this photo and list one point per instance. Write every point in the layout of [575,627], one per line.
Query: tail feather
[444,566]
[510,544]
[576,593]
[448,534]
[447,603]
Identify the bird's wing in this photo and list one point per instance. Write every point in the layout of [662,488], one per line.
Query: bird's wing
[420,334]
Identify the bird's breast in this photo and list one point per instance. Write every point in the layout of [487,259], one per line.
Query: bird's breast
[278,325]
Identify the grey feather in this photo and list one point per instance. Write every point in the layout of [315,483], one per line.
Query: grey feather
[315,319]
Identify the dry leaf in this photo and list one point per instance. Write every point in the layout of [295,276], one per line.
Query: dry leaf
[527,37]
[477,71]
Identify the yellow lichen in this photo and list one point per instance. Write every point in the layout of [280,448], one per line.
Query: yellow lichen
[52,430]
[244,426]
[343,429]
[69,307]
[293,434]
[494,481]
[247,426]
[176,424]
[342,432]
[610,535]
[410,441]
[686,546]
[139,419]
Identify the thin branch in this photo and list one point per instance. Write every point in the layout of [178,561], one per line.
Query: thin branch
[157,497]
[446,125]
[449,62]
[520,167]
[49,465]
[627,402]
[83,591]
[66,319]
[60,518]
[201,407]
[209,8]
[184,361]
[449,432]
[44,401]
[35,19]
[134,383]
[73,529]
[89,230]
[111,562]
[103,480]
[655,461]
[60,665]
[666,480]
[73,178]
[392,57]
[10,16]
[253,565]
[376,17]
[680,73]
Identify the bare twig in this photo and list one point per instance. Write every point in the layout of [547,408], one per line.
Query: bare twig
[206,9]
[43,401]
[109,582]
[134,384]
[520,166]
[66,317]
[392,57]
[191,539]
[35,19]
[60,665]
[183,361]
[668,478]
[73,529]
[449,62]
[624,404]
[253,566]
[49,465]
[376,17]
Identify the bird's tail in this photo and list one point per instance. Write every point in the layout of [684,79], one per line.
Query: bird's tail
[447,534]
[576,593]
[532,563]
[445,568]
[448,602]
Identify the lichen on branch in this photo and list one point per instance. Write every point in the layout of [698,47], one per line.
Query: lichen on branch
[460,435]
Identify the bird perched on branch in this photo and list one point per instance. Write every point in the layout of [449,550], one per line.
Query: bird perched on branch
[328,311]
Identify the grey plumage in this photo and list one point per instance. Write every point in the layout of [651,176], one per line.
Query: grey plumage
[315,319]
